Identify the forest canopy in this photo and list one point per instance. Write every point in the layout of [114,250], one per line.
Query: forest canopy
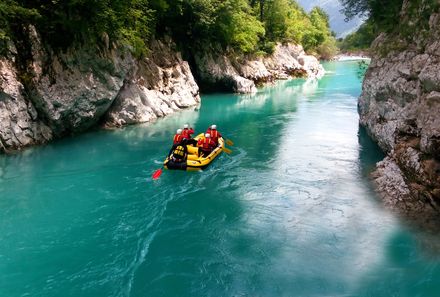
[246,26]
[386,17]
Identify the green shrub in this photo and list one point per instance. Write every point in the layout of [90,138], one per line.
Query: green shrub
[327,49]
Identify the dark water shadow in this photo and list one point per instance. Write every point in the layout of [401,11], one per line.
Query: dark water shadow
[407,269]
[369,152]
[425,226]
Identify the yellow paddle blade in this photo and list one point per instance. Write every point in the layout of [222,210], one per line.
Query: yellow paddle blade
[226,150]
[229,142]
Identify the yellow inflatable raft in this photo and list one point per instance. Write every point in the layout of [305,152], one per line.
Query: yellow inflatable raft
[193,161]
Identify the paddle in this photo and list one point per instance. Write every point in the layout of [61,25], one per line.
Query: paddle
[157,173]
[226,150]
[229,142]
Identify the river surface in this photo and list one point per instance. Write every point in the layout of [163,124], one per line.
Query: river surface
[290,212]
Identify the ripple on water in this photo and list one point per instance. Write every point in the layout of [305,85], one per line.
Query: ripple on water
[289,212]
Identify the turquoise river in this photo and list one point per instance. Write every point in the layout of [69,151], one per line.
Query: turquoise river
[291,212]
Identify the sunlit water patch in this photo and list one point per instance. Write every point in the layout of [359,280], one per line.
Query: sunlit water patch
[290,212]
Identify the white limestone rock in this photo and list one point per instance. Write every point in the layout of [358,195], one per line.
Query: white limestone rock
[19,122]
[220,72]
[400,108]
[158,86]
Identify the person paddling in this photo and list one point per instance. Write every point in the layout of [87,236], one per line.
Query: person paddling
[187,131]
[206,145]
[215,135]
[187,135]
[178,153]
[178,137]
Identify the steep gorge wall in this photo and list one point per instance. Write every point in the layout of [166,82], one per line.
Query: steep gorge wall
[217,71]
[157,86]
[400,108]
[46,94]
[20,124]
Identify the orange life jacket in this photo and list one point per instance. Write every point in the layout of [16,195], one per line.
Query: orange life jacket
[207,144]
[177,138]
[215,135]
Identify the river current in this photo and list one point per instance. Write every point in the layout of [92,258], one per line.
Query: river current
[291,212]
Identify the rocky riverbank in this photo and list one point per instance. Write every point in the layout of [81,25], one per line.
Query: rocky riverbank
[400,108]
[46,95]
[241,75]
[351,57]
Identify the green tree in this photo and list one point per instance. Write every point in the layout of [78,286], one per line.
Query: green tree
[246,26]
[62,23]
[388,18]
[320,19]
[238,27]
[275,19]
[361,39]
[298,23]
[383,15]
[13,14]
[317,37]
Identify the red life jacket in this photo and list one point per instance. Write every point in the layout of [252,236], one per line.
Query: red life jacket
[177,138]
[206,144]
[215,135]
[186,133]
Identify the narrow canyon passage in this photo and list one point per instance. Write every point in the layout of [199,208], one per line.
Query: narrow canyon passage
[290,212]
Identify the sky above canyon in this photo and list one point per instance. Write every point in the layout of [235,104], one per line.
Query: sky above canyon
[337,22]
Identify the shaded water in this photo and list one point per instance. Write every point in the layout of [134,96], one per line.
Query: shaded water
[289,213]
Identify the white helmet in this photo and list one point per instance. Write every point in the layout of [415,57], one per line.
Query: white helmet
[179,131]
[207,135]
[185,126]
[213,127]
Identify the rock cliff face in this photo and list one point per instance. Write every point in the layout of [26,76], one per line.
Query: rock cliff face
[156,87]
[73,90]
[220,72]
[46,94]
[20,124]
[400,107]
